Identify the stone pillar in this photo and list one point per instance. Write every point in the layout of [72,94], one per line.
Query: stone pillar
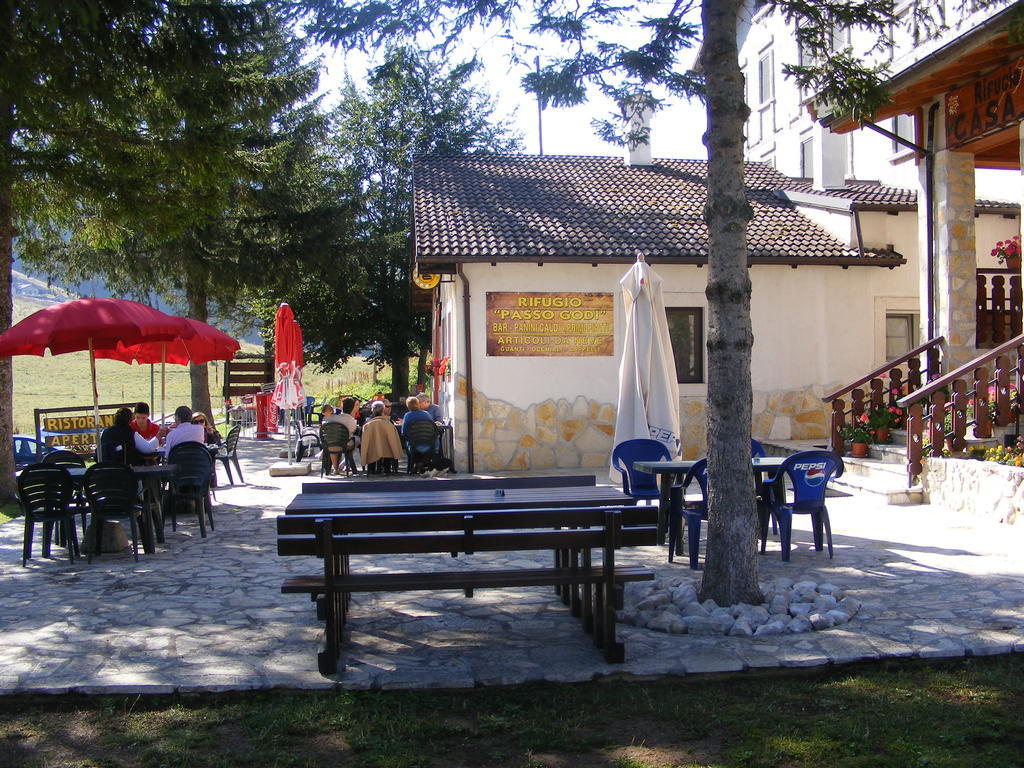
[953,255]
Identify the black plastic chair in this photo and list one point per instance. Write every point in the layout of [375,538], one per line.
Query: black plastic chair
[229,454]
[191,481]
[336,441]
[46,492]
[420,440]
[112,491]
[69,459]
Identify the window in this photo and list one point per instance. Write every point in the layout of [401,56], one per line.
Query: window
[686,329]
[902,126]
[900,334]
[765,80]
[807,158]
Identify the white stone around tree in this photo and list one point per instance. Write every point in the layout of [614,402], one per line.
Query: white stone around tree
[825,603]
[800,609]
[771,628]
[695,609]
[820,620]
[838,617]
[740,628]
[799,624]
[654,601]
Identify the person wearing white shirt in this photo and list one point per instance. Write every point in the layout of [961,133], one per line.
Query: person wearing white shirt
[184,430]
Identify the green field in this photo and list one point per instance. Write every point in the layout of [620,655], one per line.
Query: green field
[64,380]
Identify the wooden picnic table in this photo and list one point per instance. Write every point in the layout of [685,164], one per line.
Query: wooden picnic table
[457,499]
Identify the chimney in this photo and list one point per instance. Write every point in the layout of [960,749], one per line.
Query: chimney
[829,158]
[638,112]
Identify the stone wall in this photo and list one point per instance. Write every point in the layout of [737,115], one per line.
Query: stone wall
[975,488]
[567,433]
[551,434]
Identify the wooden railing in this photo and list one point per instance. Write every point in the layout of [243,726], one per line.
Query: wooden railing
[905,375]
[998,300]
[969,397]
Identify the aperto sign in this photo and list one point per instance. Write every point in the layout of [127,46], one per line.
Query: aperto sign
[988,104]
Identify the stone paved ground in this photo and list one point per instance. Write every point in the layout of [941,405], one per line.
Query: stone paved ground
[208,615]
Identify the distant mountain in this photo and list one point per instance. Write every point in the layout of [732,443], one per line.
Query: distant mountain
[36,293]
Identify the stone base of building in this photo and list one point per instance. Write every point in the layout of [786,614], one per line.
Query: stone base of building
[578,433]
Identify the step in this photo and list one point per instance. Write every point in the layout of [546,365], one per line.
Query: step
[883,474]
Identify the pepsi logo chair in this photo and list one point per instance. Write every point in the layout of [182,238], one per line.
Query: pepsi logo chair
[757,450]
[639,485]
[809,472]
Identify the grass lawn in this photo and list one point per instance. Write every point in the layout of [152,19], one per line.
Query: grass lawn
[966,713]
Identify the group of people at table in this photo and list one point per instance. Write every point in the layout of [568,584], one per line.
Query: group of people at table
[136,440]
[378,436]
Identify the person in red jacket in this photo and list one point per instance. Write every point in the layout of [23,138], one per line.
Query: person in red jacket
[140,422]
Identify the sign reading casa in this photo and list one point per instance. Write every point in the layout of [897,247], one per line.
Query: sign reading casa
[989,103]
[550,324]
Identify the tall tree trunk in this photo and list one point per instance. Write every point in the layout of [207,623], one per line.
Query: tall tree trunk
[730,574]
[199,375]
[7,484]
[400,375]
[421,368]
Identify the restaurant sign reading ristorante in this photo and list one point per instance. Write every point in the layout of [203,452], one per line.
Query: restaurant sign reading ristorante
[550,324]
[989,103]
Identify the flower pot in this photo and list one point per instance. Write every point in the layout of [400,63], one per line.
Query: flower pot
[858,450]
[1012,262]
[882,435]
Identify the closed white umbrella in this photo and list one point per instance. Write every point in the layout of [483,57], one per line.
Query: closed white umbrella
[648,405]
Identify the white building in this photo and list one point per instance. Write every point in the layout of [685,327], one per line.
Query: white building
[839,286]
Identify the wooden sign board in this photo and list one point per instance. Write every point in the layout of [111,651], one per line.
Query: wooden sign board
[988,104]
[550,324]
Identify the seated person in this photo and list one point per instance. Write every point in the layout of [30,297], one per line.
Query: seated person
[413,413]
[119,442]
[184,430]
[212,436]
[381,445]
[141,423]
[432,408]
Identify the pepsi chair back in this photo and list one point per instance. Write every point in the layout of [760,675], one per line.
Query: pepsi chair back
[809,473]
[757,450]
[639,485]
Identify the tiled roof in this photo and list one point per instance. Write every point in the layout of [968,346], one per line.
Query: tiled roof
[493,207]
[871,194]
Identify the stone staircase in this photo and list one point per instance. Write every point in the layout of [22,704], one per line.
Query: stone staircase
[882,474]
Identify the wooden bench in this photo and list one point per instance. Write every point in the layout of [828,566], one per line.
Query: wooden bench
[449,484]
[589,588]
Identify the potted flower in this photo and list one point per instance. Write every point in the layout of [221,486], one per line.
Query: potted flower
[858,437]
[881,420]
[1008,252]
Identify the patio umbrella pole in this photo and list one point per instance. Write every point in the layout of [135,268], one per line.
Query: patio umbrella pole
[163,382]
[95,400]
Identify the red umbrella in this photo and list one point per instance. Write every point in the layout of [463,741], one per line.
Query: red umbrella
[288,392]
[206,344]
[90,324]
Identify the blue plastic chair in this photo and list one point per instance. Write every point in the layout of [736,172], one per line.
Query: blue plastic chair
[692,513]
[639,485]
[809,473]
[698,509]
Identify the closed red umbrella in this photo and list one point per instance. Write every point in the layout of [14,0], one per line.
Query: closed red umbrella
[90,324]
[288,392]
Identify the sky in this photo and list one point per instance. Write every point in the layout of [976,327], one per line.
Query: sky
[675,131]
